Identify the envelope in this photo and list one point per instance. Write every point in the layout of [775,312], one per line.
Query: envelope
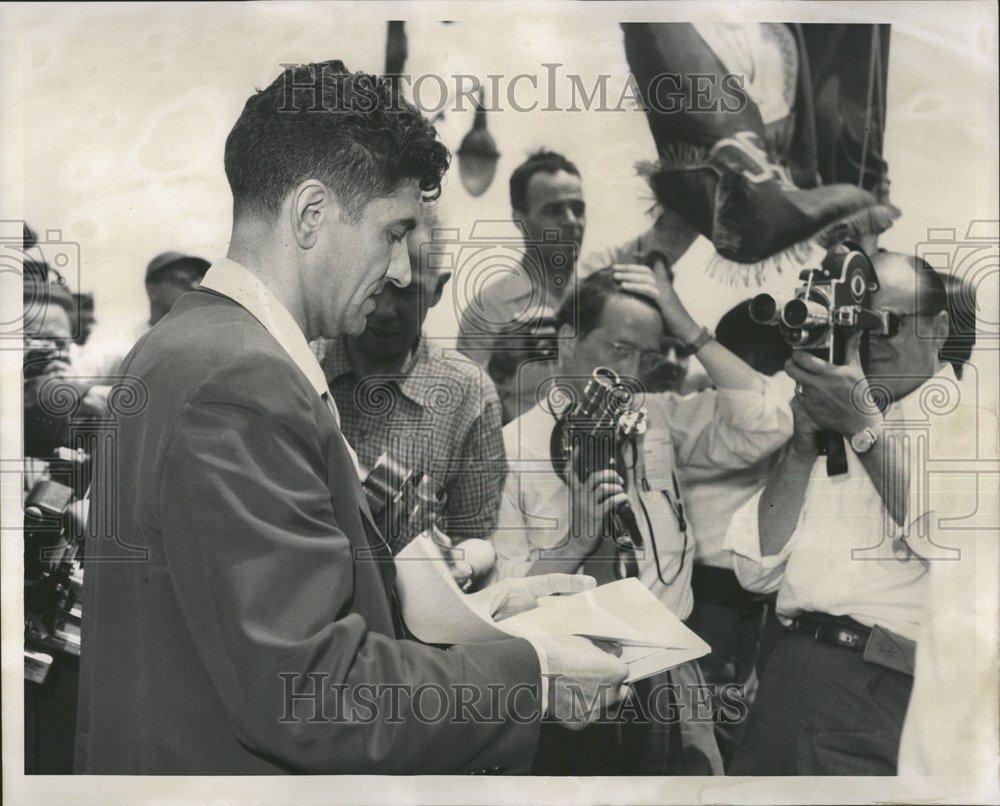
[436,611]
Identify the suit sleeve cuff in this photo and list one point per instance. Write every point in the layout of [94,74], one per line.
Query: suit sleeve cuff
[543,667]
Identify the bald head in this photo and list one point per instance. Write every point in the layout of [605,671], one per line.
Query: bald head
[912,276]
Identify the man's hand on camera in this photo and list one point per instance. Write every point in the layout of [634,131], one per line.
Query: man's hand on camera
[508,597]
[804,430]
[583,679]
[95,401]
[592,500]
[836,398]
[658,289]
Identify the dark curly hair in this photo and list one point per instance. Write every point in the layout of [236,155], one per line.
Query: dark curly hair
[352,131]
[548,162]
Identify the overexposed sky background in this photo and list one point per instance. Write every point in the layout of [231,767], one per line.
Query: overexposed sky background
[125,109]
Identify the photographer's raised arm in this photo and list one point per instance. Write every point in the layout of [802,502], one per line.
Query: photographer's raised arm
[726,370]
[780,506]
[833,396]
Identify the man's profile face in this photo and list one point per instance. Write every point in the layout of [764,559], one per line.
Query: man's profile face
[628,328]
[554,201]
[356,259]
[51,323]
[907,360]
[47,335]
[394,326]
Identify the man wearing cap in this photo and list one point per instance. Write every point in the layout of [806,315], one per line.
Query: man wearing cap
[168,276]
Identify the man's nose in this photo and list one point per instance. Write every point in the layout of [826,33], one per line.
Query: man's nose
[399,265]
[628,368]
[571,218]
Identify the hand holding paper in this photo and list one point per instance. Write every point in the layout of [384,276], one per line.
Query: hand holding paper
[583,680]
[509,597]
[623,612]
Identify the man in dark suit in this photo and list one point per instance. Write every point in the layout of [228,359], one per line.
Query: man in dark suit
[242,618]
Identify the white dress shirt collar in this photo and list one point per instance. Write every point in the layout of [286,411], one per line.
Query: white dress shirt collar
[229,278]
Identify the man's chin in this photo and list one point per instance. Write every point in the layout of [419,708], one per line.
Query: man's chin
[355,325]
[378,347]
[875,368]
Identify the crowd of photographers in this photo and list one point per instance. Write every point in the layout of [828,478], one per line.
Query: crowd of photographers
[811,589]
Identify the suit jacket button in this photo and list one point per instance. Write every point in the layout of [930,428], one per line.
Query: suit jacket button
[496,770]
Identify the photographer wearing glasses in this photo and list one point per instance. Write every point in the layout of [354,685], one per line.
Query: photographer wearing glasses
[617,321]
[849,554]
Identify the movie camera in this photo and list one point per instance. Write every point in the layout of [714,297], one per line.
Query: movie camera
[592,435]
[833,302]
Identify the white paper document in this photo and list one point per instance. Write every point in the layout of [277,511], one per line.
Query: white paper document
[436,611]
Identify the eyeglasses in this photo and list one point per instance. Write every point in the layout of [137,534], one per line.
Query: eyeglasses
[623,351]
[900,318]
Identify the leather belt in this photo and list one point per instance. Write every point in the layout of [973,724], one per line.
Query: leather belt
[877,644]
[839,631]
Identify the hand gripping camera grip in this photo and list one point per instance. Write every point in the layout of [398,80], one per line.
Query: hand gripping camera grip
[623,520]
[832,445]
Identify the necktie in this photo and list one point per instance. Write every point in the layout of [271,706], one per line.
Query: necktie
[332,406]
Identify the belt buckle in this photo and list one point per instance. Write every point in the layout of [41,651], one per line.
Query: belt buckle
[847,638]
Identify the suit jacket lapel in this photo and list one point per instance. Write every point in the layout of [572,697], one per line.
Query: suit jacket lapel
[379,549]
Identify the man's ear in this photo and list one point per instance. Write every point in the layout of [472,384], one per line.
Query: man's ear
[518,216]
[309,203]
[567,341]
[439,283]
[940,327]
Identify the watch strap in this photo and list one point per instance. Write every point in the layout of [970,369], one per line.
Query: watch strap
[872,432]
[703,338]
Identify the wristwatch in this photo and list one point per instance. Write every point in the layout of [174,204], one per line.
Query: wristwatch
[865,440]
[700,341]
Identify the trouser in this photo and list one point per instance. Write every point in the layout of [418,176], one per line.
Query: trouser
[50,719]
[729,620]
[664,728]
[823,710]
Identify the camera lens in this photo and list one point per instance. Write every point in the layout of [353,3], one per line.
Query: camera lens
[795,314]
[764,309]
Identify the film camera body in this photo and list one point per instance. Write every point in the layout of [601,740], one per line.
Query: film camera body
[403,502]
[53,574]
[407,503]
[593,434]
[833,302]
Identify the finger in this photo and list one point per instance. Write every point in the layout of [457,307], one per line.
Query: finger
[552,584]
[608,488]
[808,362]
[643,289]
[603,476]
[610,503]
[799,375]
[631,268]
[512,604]
[854,349]
[647,279]
[611,647]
